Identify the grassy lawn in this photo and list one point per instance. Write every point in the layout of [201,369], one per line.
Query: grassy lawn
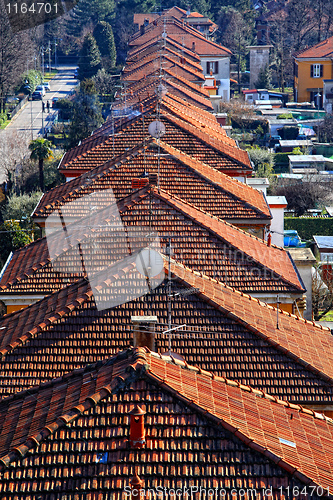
[4,125]
[328,316]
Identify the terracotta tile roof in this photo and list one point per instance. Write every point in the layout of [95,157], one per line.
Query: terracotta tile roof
[207,144]
[227,253]
[226,332]
[174,12]
[183,34]
[322,49]
[138,92]
[236,188]
[163,54]
[198,426]
[181,175]
[136,53]
[18,328]
[147,67]
[172,76]
[213,138]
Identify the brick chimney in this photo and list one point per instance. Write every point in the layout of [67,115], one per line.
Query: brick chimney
[144,331]
[137,428]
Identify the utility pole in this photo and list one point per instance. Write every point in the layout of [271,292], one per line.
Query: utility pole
[55,53]
[49,49]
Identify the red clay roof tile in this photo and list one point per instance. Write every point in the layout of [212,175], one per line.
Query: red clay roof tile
[226,331]
[237,258]
[193,181]
[322,49]
[224,411]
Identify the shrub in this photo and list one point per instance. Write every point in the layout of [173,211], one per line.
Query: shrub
[19,207]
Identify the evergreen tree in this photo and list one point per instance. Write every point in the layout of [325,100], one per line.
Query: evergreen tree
[103,35]
[88,12]
[264,78]
[90,58]
[87,115]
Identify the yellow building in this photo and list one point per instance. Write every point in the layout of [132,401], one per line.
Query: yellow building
[312,66]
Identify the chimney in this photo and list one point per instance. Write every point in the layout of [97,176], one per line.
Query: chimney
[136,487]
[137,428]
[144,331]
[193,46]
[269,239]
[139,182]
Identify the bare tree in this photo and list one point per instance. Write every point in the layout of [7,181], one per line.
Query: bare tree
[14,52]
[301,196]
[14,154]
[322,291]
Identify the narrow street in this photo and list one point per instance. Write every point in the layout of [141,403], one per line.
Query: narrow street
[31,116]
[30,120]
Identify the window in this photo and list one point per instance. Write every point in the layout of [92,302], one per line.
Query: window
[212,66]
[316,70]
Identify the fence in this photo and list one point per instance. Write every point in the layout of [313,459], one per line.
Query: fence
[18,107]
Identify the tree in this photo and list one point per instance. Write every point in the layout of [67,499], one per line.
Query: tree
[263,161]
[87,115]
[304,195]
[41,151]
[240,113]
[20,207]
[104,83]
[13,237]
[236,33]
[322,291]
[325,129]
[103,35]
[14,52]
[13,155]
[264,78]
[90,58]
[89,13]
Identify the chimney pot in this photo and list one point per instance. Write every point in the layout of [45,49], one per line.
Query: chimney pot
[269,239]
[137,427]
[136,487]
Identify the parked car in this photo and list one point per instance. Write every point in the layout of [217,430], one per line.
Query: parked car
[41,89]
[46,85]
[37,95]
[55,102]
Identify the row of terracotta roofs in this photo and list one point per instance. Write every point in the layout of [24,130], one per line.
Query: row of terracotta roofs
[65,431]
[203,427]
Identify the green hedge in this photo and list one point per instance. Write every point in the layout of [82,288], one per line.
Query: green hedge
[308,226]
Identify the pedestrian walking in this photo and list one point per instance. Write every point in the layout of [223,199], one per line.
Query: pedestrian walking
[48,106]
[43,106]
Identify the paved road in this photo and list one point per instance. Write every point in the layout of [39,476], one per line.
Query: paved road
[31,118]
[27,124]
